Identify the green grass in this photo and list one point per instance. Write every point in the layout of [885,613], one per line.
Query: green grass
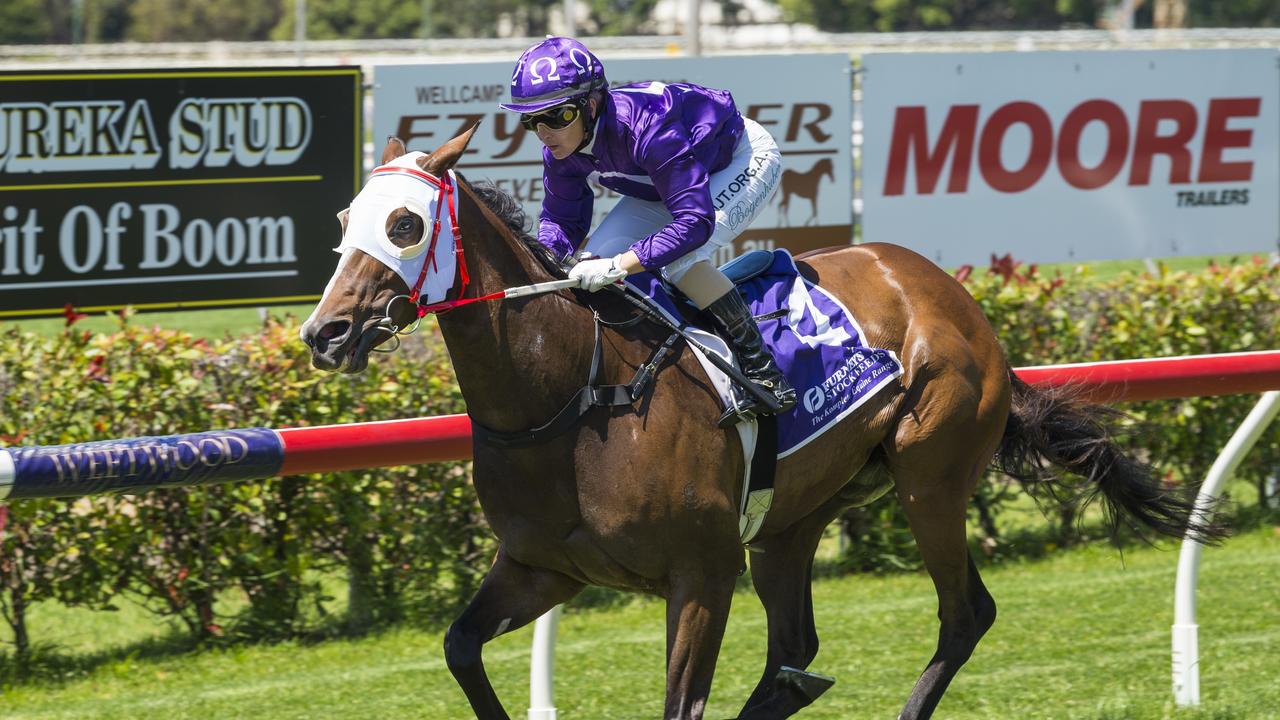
[1082,634]
[200,323]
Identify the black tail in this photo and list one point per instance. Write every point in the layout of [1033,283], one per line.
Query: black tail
[1052,427]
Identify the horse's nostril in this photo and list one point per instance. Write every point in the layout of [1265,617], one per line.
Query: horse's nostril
[337,328]
[320,340]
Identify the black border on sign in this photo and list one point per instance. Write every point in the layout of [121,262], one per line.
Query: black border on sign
[354,71]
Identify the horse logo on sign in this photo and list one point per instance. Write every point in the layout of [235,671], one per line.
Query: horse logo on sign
[805,184]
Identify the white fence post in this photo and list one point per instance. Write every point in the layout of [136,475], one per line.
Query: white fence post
[1186,633]
[542,667]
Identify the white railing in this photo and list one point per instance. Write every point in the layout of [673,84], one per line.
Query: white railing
[1186,633]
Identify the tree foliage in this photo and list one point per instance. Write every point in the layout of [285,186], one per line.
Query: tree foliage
[910,15]
[28,21]
[50,21]
[1236,13]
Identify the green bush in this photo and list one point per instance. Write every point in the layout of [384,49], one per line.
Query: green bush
[411,542]
[395,533]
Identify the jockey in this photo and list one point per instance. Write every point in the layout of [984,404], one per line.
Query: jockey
[693,171]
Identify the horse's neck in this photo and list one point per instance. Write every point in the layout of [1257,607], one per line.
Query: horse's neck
[516,360]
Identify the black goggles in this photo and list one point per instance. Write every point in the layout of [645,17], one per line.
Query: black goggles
[556,118]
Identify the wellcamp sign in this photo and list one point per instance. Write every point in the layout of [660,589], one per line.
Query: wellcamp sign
[804,101]
[172,188]
[1062,156]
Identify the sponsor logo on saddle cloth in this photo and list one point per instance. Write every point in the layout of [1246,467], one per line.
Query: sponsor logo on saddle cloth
[402,184]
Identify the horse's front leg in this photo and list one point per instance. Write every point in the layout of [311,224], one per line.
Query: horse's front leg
[511,596]
[782,572]
[697,612]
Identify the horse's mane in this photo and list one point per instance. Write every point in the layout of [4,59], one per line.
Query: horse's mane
[512,215]
[508,210]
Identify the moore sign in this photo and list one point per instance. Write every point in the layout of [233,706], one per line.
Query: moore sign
[1072,156]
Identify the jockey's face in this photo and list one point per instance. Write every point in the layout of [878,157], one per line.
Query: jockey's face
[564,141]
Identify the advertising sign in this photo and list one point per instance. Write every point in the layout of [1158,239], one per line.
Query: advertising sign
[805,101]
[1062,156]
[173,188]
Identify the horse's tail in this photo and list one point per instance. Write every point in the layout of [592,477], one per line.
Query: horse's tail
[1053,426]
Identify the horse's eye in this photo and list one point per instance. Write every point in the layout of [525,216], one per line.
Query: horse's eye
[404,225]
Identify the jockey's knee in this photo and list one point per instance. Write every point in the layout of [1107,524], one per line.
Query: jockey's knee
[701,282]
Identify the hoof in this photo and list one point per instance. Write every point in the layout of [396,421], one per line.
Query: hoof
[809,684]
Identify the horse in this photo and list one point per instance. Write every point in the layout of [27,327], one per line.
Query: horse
[805,184]
[646,498]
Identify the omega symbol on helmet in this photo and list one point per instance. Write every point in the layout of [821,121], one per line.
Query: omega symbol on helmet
[552,74]
[814,398]
[585,64]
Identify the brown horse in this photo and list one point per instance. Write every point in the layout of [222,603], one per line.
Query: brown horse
[805,184]
[646,498]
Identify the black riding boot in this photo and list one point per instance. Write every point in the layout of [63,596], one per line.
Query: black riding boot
[736,325]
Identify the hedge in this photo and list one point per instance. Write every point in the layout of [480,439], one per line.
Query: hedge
[411,542]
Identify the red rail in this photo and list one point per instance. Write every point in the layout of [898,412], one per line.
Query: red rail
[1164,378]
[332,448]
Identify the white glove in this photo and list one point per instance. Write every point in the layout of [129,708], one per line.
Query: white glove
[596,273]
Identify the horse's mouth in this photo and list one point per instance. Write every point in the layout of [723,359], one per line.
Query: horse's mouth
[357,358]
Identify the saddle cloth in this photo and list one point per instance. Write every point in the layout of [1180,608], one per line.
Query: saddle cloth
[816,342]
[814,339]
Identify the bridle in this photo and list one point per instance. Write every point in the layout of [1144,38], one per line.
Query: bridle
[446,193]
[447,197]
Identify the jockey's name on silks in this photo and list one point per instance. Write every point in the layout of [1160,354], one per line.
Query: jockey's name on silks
[819,346]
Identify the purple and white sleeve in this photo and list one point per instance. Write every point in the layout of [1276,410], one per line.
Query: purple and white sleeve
[683,183]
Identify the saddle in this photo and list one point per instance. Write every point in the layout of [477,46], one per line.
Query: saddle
[748,266]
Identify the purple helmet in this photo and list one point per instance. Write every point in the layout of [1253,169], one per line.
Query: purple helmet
[553,72]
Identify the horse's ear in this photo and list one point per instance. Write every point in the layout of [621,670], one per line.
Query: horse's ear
[394,149]
[438,162]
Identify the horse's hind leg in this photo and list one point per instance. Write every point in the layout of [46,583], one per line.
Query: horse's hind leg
[781,570]
[965,608]
[511,596]
[936,468]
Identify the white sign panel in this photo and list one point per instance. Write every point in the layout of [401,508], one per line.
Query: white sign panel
[1061,156]
[805,101]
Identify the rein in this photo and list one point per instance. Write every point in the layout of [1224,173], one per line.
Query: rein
[593,395]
